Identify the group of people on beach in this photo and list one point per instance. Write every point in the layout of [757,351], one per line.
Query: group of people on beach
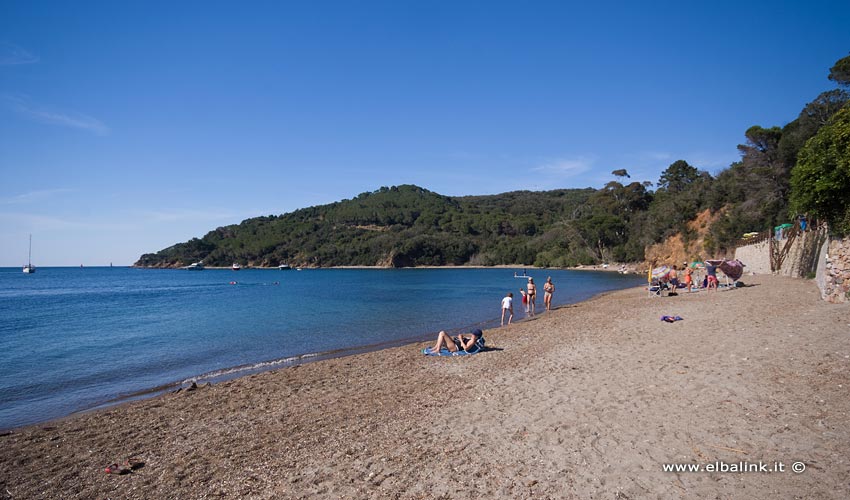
[470,341]
[529,299]
[709,282]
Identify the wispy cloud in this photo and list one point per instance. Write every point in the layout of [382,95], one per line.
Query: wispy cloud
[188,215]
[662,160]
[41,222]
[712,161]
[33,196]
[567,167]
[22,106]
[656,155]
[12,55]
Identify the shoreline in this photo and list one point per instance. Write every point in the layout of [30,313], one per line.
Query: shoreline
[225,374]
[587,401]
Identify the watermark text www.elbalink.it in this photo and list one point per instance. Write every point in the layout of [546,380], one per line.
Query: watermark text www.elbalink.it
[736,467]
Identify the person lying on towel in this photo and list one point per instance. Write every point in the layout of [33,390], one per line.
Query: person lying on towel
[463,342]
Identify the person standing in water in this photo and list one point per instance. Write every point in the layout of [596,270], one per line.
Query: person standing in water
[524,300]
[532,294]
[548,289]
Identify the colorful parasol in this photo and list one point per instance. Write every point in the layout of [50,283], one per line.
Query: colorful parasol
[661,273]
[732,268]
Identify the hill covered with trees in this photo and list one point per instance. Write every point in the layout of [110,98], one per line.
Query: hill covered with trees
[393,226]
[800,168]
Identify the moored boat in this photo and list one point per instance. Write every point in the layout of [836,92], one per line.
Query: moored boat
[284,267]
[236,266]
[29,268]
[196,266]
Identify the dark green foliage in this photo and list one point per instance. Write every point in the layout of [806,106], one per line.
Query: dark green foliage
[181,254]
[683,191]
[678,176]
[821,179]
[840,73]
[753,191]
[395,226]
[815,115]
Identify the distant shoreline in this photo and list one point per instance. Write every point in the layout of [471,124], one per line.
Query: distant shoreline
[629,268]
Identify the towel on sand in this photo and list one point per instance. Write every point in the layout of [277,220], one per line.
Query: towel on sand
[671,319]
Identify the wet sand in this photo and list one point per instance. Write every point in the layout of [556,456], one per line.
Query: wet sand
[587,401]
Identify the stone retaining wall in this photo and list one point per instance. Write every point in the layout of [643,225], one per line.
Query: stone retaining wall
[756,257]
[810,251]
[834,271]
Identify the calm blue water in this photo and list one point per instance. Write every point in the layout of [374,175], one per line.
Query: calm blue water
[73,339]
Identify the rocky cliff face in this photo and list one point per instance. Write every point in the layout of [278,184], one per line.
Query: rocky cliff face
[674,251]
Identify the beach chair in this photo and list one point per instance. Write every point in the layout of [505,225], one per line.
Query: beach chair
[658,281]
[658,287]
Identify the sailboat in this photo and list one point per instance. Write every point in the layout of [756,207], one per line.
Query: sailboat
[29,268]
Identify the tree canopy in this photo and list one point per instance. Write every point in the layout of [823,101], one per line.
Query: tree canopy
[840,73]
[821,179]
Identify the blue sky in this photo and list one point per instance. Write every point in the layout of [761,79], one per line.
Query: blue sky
[126,127]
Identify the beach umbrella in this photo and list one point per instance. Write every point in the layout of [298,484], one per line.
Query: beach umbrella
[732,268]
[660,273]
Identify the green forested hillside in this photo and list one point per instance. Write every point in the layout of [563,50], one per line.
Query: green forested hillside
[800,168]
[397,226]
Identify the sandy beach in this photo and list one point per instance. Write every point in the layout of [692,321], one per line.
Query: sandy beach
[588,401]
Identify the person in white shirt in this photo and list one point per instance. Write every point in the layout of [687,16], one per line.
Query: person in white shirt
[508,306]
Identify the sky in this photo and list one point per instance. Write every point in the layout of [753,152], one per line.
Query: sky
[127,127]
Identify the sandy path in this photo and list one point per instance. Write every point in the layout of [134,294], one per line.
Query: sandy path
[588,401]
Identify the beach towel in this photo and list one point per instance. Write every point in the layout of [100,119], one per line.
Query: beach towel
[476,348]
[446,352]
[671,319]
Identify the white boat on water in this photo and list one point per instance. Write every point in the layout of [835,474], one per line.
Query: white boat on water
[236,266]
[197,266]
[29,268]
[284,267]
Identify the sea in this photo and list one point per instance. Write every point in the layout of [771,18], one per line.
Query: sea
[75,339]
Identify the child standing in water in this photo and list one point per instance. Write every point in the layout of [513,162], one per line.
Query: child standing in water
[508,305]
[524,299]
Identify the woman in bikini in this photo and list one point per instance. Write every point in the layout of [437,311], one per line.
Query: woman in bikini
[532,294]
[548,288]
[463,342]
